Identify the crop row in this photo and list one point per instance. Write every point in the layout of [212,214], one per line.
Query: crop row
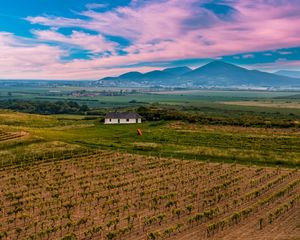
[109,195]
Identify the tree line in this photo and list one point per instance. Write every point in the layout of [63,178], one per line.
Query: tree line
[45,107]
[158,113]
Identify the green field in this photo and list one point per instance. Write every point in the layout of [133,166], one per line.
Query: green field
[141,96]
[51,135]
[251,127]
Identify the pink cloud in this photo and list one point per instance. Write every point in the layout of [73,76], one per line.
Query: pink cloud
[95,43]
[21,59]
[18,55]
[165,21]
[163,31]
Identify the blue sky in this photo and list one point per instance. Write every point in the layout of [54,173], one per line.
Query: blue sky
[87,39]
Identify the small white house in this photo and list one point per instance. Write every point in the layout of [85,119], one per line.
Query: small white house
[122,118]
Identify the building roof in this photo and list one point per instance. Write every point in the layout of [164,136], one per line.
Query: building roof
[126,115]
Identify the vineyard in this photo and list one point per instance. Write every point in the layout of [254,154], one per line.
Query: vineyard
[4,136]
[112,195]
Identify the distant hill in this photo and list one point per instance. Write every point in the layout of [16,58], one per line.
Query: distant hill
[287,73]
[167,76]
[157,75]
[131,75]
[178,70]
[216,74]
[225,74]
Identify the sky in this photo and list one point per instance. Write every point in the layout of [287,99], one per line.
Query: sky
[91,39]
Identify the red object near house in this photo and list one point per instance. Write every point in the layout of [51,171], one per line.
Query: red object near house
[139,132]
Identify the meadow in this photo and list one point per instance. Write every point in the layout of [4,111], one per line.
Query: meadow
[48,135]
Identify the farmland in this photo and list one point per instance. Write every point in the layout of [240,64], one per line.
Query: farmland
[5,136]
[127,97]
[111,195]
[278,104]
[150,120]
[202,170]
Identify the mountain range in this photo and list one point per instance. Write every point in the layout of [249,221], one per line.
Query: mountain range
[213,74]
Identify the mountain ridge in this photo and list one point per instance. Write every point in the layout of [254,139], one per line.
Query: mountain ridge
[215,73]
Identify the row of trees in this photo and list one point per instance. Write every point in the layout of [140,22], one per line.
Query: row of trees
[45,107]
[214,117]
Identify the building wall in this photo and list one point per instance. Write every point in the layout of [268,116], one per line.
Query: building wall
[111,121]
[122,121]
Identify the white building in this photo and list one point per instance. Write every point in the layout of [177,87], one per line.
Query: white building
[122,118]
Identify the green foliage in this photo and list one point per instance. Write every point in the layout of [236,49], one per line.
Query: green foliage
[217,117]
[153,235]
[111,235]
[44,107]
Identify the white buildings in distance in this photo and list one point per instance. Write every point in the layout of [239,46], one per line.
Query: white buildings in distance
[122,118]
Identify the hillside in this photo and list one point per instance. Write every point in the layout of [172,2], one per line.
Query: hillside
[219,73]
[214,74]
[178,70]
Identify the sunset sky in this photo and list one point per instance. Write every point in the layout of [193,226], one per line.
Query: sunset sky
[86,39]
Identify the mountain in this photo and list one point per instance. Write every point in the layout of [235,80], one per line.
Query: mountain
[178,70]
[131,75]
[287,73]
[125,76]
[214,74]
[156,77]
[219,73]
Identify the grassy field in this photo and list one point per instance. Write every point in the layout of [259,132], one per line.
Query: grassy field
[268,104]
[164,138]
[183,97]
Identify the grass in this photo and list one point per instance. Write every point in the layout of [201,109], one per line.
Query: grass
[194,97]
[169,139]
[272,103]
